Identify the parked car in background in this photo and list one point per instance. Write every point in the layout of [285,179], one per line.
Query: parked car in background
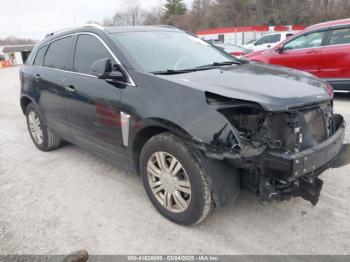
[235,50]
[251,42]
[196,123]
[322,50]
[268,41]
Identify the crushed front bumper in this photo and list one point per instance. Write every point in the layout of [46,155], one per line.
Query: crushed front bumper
[299,172]
[308,161]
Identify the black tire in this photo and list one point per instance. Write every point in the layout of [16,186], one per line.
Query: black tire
[50,141]
[201,202]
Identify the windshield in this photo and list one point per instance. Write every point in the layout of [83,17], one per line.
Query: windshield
[162,51]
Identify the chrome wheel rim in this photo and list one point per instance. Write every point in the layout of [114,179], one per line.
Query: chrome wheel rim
[169,182]
[35,127]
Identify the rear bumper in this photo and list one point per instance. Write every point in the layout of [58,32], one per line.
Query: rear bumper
[310,160]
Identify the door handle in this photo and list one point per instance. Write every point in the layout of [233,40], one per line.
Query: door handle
[70,88]
[311,52]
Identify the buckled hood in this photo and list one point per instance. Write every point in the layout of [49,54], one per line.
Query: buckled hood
[274,88]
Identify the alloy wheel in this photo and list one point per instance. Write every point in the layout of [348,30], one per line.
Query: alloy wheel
[35,127]
[169,182]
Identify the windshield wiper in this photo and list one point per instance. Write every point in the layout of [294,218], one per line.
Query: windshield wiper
[216,64]
[198,68]
[174,72]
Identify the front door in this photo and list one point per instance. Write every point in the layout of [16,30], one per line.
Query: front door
[93,105]
[302,53]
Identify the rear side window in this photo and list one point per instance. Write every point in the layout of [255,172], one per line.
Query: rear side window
[59,53]
[88,50]
[340,36]
[39,58]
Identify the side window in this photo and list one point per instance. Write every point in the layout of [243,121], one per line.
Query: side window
[88,50]
[274,38]
[268,39]
[305,41]
[340,36]
[39,58]
[262,40]
[58,54]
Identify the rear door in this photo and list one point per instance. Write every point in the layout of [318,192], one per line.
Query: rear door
[93,105]
[53,62]
[335,57]
[302,53]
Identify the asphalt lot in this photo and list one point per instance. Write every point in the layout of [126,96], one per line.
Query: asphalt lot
[69,199]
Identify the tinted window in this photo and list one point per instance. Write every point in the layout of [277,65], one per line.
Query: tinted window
[305,41]
[340,36]
[2,58]
[58,54]
[88,50]
[39,59]
[268,39]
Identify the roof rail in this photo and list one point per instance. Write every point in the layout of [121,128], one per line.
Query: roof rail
[166,26]
[94,25]
[74,27]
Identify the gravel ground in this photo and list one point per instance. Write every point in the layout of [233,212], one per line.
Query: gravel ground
[69,199]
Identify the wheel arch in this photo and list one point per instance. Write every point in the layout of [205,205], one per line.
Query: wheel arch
[25,101]
[223,178]
[153,128]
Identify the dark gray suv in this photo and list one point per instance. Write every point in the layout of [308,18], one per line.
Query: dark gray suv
[195,122]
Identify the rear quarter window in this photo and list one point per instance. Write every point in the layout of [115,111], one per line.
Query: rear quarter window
[59,54]
[39,58]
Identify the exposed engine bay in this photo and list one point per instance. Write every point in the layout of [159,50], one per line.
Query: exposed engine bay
[281,154]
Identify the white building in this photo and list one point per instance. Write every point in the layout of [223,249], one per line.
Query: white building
[16,54]
[242,35]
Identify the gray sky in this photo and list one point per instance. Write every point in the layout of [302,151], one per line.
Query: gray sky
[35,18]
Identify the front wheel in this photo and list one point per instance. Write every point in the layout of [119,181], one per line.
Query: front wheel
[174,180]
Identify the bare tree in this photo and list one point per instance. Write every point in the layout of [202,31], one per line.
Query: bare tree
[217,13]
[12,40]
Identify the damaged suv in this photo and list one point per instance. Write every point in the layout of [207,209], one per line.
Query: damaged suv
[197,124]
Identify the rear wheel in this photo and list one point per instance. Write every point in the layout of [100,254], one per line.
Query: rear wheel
[43,138]
[174,180]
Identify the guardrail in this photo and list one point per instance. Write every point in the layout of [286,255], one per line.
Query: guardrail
[5,63]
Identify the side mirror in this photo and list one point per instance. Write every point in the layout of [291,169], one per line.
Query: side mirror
[104,69]
[279,49]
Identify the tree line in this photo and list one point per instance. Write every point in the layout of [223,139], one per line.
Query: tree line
[204,14]
[15,41]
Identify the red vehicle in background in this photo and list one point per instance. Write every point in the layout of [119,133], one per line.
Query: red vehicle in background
[322,50]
